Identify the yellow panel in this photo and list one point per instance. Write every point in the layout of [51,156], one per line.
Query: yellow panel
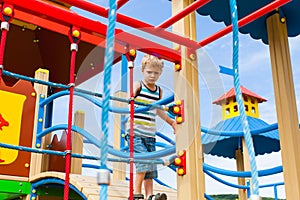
[231,104]
[25,25]
[11,107]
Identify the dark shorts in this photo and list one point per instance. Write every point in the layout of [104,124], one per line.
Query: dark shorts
[144,145]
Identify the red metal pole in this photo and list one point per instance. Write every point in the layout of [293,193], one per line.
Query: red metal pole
[131,57]
[134,23]
[67,18]
[121,3]
[245,20]
[2,48]
[69,133]
[74,36]
[131,132]
[187,10]
[7,14]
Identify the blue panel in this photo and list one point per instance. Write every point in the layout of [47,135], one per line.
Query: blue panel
[219,11]
[225,146]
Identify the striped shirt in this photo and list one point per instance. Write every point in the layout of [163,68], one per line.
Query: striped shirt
[144,122]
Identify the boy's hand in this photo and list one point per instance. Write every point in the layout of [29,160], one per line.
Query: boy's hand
[173,124]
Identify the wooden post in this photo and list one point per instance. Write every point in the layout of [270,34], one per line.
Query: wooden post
[119,169]
[286,108]
[192,185]
[39,162]
[240,167]
[77,143]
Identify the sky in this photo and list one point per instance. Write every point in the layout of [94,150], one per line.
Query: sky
[255,74]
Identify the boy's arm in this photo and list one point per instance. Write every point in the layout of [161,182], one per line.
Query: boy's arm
[136,88]
[163,115]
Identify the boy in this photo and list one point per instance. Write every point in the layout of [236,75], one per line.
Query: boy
[147,91]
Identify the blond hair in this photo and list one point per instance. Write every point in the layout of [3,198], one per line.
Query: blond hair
[152,61]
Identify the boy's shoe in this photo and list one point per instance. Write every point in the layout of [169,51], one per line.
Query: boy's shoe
[158,196]
[162,196]
[137,196]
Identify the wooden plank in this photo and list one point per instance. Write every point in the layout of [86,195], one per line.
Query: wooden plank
[246,159]
[13,178]
[87,185]
[77,143]
[39,162]
[96,197]
[286,108]
[83,178]
[240,167]
[192,185]
[119,168]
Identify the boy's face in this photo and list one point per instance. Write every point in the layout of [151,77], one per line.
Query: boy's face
[151,74]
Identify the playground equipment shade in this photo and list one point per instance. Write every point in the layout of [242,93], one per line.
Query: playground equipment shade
[219,11]
[225,146]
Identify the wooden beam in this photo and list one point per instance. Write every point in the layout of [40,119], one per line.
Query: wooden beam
[240,167]
[286,108]
[119,169]
[39,162]
[192,185]
[77,143]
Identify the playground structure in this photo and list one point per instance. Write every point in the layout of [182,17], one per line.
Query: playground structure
[35,22]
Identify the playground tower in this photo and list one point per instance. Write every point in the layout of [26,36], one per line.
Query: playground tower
[234,146]
[230,107]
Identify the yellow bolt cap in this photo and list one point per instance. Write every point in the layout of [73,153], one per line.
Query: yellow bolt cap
[192,56]
[76,33]
[7,10]
[177,67]
[176,109]
[180,153]
[177,161]
[132,52]
[178,102]
[179,119]
[180,171]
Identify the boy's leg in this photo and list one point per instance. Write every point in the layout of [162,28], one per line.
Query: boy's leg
[152,173]
[148,184]
[139,177]
[139,147]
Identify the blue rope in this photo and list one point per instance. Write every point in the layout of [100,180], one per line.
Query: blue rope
[225,172]
[258,131]
[79,91]
[60,153]
[239,97]
[108,62]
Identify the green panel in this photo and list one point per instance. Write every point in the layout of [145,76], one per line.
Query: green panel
[8,196]
[15,187]
[56,191]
